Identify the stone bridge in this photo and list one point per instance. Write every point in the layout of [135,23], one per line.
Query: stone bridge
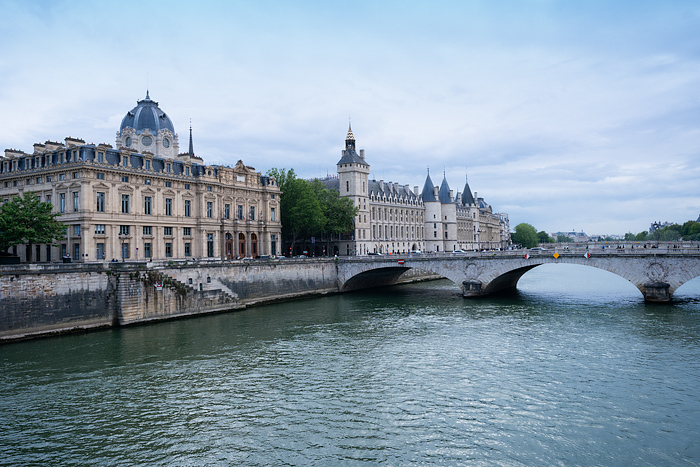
[657,273]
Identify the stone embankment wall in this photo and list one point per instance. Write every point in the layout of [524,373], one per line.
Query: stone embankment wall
[37,300]
[43,299]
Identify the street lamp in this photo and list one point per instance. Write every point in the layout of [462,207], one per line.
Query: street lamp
[122,237]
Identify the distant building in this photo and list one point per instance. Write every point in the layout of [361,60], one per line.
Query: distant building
[576,237]
[393,218]
[145,200]
[658,226]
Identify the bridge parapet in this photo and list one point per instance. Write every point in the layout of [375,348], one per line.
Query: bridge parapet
[657,273]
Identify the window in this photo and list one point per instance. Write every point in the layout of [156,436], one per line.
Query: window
[48,199]
[272,214]
[100,157]
[100,253]
[60,177]
[168,206]
[273,196]
[125,178]
[100,176]
[147,205]
[75,174]
[187,231]
[168,250]
[252,213]
[99,229]
[76,230]
[210,209]
[147,230]
[188,208]
[123,230]
[125,204]
[48,178]
[148,165]
[227,211]
[62,205]
[187,186]
[210,245]
[187,172]
[146,250]
[38,180]
[100,202]
[209,188]
[347,186]
[167,169]
[239,213]
[76,201]
[187,250]
[168,231]
[147,181]
[168,184]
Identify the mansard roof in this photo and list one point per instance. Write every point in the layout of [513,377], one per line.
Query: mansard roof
[381,188]
[351,157]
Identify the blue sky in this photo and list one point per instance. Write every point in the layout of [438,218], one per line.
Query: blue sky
[565,114]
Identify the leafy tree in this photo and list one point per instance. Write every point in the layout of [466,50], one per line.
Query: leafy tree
[524,235]
[629,236]
[339,212]
[563,239]
[300,209]
[27,220]
[543,237]
[642,236]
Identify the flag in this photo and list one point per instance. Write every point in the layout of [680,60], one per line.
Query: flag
[587,255]
[527,256]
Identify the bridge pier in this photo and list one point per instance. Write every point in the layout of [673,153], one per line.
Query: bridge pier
[471,289]
[656,292]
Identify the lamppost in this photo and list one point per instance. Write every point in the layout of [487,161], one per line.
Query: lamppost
[122,237]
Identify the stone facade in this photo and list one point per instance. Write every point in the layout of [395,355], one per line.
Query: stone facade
[394,219]
[129,203]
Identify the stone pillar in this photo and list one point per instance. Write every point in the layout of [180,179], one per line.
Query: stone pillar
[471,288]
[656,292]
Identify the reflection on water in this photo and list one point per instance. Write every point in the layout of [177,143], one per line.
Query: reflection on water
[572,369]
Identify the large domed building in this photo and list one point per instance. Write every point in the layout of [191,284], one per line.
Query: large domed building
[146,128]
[143,200]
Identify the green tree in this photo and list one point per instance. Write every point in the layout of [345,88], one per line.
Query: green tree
[524,235]
[27,220]
[543,237]
[642,236]
[300,209]
[563,239]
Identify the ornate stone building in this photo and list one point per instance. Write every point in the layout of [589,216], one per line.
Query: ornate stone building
[394,219]
[144,200]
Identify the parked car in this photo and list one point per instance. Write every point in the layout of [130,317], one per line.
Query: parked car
[537,248]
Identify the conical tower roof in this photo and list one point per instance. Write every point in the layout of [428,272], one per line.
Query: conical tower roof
[444,193]
[467,197]
[428,190]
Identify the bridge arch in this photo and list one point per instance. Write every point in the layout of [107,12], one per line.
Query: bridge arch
[655,275]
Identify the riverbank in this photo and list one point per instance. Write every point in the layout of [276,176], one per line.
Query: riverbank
[39,300]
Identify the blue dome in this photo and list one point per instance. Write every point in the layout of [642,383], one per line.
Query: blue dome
[147,114]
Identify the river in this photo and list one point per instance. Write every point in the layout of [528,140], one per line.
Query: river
[572,369]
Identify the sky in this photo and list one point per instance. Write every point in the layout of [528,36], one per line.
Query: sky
[567,115]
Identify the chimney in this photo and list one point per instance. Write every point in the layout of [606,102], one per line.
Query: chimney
[415,190]
[451,195]
[362,153]
[436,191]
[381,185]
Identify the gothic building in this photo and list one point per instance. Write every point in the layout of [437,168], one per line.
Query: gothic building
[143,199]
[393,218]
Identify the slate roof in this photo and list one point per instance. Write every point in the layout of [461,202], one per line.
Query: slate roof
[145,115]
[428,190]
[444,193]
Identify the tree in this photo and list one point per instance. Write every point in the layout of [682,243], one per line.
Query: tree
[563,239]
[543,237]
[27,220]
[524,235]
[642,236]
[300,209]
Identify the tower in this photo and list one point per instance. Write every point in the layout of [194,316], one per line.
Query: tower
[353,174]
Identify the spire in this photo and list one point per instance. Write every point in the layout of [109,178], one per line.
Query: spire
[444,193]
[191,151]
[428,194]
[467,197]
[148,98]
[350,140]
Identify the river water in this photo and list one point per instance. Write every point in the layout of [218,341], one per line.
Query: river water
[573,369]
